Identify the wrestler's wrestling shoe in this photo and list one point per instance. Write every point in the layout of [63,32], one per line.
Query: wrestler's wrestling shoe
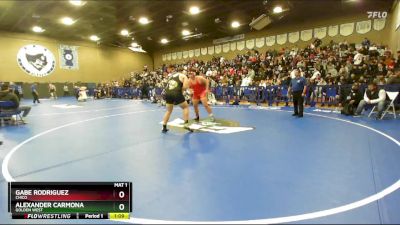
[164,130]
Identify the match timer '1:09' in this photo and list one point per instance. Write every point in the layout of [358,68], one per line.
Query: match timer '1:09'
[70,200]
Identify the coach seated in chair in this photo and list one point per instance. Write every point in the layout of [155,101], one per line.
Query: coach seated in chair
[6,94]
[373,96]
[350,100]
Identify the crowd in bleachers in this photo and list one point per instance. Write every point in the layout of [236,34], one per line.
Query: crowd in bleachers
[323,65]
[332,63]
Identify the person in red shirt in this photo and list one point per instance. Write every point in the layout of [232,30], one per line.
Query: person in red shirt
[200,88]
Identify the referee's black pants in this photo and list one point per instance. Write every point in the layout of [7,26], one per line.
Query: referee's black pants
[298,103]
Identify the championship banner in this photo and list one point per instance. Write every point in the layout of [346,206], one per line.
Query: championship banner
[346,29]
[250,44]
[169,56]
[225,47]
[203,51]
[210,50]
[363,27]
[69,57]
[173,56]
[294,37]
[191,53]
[179,55]
[197,52]
[260,42]
[233,46]
[218,49]
[164,57]
[333,30]
[269,41]
[306,35]
[281,39]
[379,24]
[185,54]
[240,45]
[320,33]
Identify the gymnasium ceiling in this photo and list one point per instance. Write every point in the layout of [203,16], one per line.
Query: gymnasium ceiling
[107,18]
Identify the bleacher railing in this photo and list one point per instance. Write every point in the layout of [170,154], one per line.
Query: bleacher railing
[275,94]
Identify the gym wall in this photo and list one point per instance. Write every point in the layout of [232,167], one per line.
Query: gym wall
[96,63]
[375,36]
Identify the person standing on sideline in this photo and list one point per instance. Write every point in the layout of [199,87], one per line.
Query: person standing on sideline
[53,91]
[66,90]
[298,89]
[35,93]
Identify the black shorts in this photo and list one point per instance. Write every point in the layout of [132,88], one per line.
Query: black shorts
[174,98]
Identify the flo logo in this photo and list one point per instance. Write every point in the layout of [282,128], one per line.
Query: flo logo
[36,60]
[219,127]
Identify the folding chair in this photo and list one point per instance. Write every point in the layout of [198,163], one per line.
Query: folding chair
[392,96]
[6,112]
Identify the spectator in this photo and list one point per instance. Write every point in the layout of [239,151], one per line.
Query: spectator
[66,90]
[7,95]
[394,79]
[350,100]
[373,96]
[53,91]
[35,93]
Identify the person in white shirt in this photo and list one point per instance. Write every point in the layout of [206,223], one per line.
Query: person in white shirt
[358,58]
[373,96]
[209,72]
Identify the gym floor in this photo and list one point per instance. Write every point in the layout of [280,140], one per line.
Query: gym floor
[323,168]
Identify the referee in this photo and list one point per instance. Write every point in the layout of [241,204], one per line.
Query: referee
[298,89]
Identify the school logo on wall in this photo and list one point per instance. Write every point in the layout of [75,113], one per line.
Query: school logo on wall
[36,60]
[68,57]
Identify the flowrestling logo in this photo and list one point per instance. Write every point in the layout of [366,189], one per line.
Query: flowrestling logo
[36,60]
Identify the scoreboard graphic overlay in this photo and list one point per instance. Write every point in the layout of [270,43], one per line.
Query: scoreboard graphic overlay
[70,200]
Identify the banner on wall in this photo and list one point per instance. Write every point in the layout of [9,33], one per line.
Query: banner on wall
[260,42]
[320,32]
[233,46]
[333,30]
[191,53]
[179,55]
[281,39]
[294,37]
[240,45]
[36,60]
[185,54]
[346,29]
[203,51]
[173,56]
[68,57]
[306,35]
[169,56]
[225,47]
[210,50]
[269,41]
[250,44]
[379,24]
[197,52]
[164,57]
[218,49]
[363,27]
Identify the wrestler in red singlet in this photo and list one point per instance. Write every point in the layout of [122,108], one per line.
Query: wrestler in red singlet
[199,85]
